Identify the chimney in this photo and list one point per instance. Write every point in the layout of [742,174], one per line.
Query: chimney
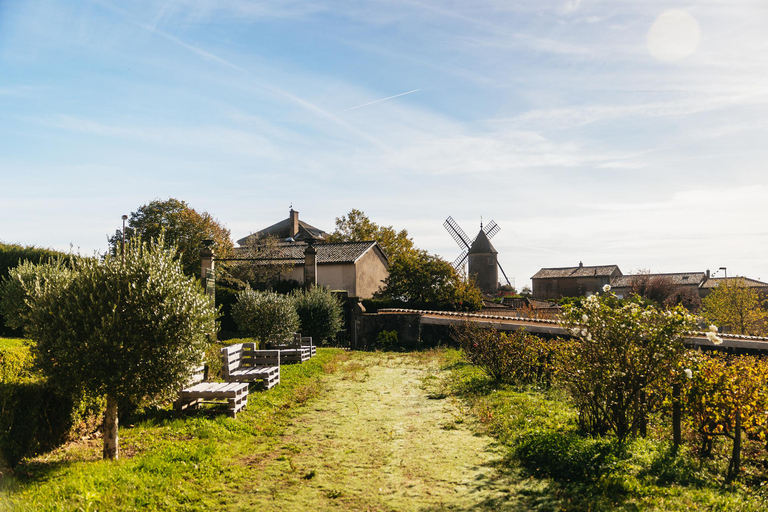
[294,218]
[581,264]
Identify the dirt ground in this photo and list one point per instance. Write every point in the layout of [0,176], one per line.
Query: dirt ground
[381,438]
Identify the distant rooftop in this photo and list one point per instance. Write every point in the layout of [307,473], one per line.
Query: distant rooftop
[580,271]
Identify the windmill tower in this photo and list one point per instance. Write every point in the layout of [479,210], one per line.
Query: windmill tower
[483,258]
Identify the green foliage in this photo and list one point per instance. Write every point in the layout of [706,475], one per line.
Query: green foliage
[720,387]
[357,227]
[181,226]
[18,288]
[513,358]
[387,340]
[15,362]
[736,306]
[35,417]
[266,316]
[427,281]
[11,255]
[320,314]
[129,329]
[623,352]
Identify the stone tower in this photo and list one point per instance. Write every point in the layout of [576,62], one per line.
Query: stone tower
[483,263]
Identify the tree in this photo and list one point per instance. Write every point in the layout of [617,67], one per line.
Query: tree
[183,227]
[356,227]
[426,280]
[735,305]
[266,316]
[131,330]
[320,314]
[662,290]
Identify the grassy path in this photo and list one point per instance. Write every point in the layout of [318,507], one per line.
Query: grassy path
[377,440]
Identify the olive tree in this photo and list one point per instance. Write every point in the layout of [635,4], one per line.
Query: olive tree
[266,316]
[320,313]
[129,328]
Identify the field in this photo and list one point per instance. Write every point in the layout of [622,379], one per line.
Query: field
[373,431]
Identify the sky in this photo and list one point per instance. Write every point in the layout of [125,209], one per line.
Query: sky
[632,133]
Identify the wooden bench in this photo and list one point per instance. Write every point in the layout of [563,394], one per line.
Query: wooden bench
[197,392]
[244,363]
[291,352]
[306,341]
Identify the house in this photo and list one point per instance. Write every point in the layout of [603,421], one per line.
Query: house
[692,282]
[554,283]
[714,282]
[291,228]
[359,268]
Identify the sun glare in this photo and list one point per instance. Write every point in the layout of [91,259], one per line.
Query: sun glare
[674,36]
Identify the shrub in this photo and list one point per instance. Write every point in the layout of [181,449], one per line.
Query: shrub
[319,313]
[387,340]
[16,289]
[15,362]
[720,388]
[515,358]
[266,316]
[622,350]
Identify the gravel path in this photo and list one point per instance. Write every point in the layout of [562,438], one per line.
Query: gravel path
[377,441]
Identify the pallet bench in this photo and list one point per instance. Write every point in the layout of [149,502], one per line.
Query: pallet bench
[243,362]
[197,392]
[306,341]
[293,352]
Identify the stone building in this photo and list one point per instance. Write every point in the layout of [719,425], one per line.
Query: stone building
[554,283]
[693,282]
[483,264]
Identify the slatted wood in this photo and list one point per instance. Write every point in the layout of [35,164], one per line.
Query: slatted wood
[306,341]
[232,394]
[244,363]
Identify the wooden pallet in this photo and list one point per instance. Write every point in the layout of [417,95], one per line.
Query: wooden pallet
[232,394]
[244,363]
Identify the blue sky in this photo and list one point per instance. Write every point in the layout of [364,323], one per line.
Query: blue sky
[608,132]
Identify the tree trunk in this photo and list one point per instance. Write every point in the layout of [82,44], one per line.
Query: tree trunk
[110,429]
[735,466]
[677,436]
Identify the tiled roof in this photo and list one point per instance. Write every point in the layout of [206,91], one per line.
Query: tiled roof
[281,231]
[580,271]
[752,283]
[680,278]
[327,253]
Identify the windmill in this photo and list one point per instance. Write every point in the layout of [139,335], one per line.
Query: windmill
[465,243]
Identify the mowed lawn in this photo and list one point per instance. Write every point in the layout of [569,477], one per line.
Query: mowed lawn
[366,431]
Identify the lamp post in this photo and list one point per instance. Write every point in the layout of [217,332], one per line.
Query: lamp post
[724,270]
[122,247]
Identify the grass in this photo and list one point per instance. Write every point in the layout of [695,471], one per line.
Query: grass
[169,461]
[577,472]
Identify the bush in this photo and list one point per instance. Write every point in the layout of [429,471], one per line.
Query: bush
[320,313]
[11,255]
[622,352]
[15,362]
[266,316]
[514,358]
[15,288]
[387,340]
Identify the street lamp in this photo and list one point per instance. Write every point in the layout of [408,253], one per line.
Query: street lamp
[724,270]
[124,217]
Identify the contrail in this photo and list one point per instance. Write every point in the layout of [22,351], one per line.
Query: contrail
[383,99]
